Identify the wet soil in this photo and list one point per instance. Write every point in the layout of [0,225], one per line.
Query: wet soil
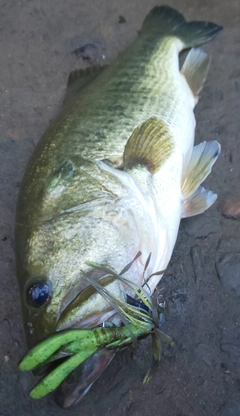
[40,43]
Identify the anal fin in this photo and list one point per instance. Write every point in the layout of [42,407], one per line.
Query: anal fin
[197,203]
[195,69]
[195,198]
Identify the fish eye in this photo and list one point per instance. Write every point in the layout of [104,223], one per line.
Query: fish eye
[39,294]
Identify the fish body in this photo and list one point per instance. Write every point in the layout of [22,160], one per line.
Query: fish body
[112,176]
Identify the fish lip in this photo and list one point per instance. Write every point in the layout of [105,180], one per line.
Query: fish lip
[75,298]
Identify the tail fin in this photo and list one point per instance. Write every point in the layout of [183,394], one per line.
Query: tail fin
[167,21]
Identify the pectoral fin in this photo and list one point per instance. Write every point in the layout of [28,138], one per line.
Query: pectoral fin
[197,199]
[150,145]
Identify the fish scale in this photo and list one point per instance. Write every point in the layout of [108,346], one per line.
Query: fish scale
[130,108]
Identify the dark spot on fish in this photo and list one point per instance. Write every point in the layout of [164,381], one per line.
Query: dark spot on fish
[121,19]
[87,52]
[39,293]
[217,153]
[230,158]
[4,238]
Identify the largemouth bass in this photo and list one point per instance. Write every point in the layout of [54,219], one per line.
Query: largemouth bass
[112,176]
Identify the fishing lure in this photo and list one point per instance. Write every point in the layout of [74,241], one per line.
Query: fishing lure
[140,319]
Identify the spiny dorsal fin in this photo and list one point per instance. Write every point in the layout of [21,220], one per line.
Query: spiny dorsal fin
[80,78]
[195,69]
[150,144]
[83,76]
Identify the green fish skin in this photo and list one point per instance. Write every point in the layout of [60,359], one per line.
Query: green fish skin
[85,196]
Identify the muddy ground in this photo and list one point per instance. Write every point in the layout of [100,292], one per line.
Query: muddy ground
[40,43]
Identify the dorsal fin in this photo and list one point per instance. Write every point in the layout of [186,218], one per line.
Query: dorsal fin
[150,144]
[80,78]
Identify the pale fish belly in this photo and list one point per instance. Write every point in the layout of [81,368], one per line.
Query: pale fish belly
[152,212]
[168,201]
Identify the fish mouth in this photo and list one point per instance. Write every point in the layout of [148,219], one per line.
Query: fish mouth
[98,278]
[77,357]
[75,311]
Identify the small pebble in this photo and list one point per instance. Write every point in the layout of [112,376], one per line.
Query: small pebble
[230,206]
[121,19]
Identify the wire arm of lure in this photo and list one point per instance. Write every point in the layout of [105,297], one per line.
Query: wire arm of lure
[137,289]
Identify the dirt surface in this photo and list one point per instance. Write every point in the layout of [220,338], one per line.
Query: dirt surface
[40,43]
